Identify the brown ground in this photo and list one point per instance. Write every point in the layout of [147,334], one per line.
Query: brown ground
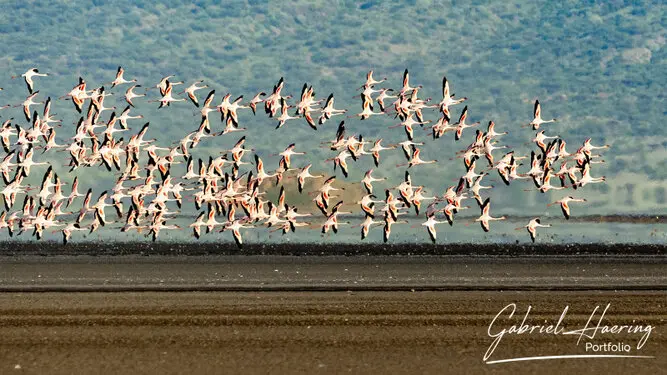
[310,332]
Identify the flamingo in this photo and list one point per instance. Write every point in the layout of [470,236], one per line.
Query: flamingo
[406,83]
[471,175]
[565,204]
[587,147]
[485,218]
[540,138]
[9,224]
[408,148]
[477,187]
[442,126]
[366,112]
[78,94]
[284,116]
[332,223]
[69,229]
[408,125]
[532,226]
[366,96]
[415,159]
[367,204]
[28,75]
[340,160]
[192,89]
[228,109]
[119,78]
[586,177]
[418,197]
[27,103]
[256,100]
[261,174]
[389,221]
[369,179]
[287,154]
[26,162]
[447,98]
[370,81]
[236,227]
[328,110]
[375,151]
[546,184]
[166,99]
[156,227]
[460,125]
[273,101]
[47,116]
[164,83]
[491,130]
[430,226]
[537,117]
[303,175]
[366,226]
[131,222]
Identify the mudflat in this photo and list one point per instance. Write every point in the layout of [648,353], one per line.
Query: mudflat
[320,332]
[329,273]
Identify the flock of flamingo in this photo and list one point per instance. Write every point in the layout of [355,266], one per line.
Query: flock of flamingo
[146,194]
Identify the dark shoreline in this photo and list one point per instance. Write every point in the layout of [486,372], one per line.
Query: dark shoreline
[574,250]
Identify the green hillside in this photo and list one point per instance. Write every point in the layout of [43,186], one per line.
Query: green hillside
[600,68]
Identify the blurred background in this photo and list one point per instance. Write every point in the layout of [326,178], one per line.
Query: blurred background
[599,67]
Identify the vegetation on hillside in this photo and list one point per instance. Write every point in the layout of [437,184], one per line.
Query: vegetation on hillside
[597,66]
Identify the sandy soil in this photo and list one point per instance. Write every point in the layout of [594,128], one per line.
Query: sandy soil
[312,332]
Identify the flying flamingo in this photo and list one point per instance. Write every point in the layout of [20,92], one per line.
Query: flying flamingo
[485,218]
[119,78]
[537,117]
[430,226]
[27,76]
[565,204]
[532,226]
